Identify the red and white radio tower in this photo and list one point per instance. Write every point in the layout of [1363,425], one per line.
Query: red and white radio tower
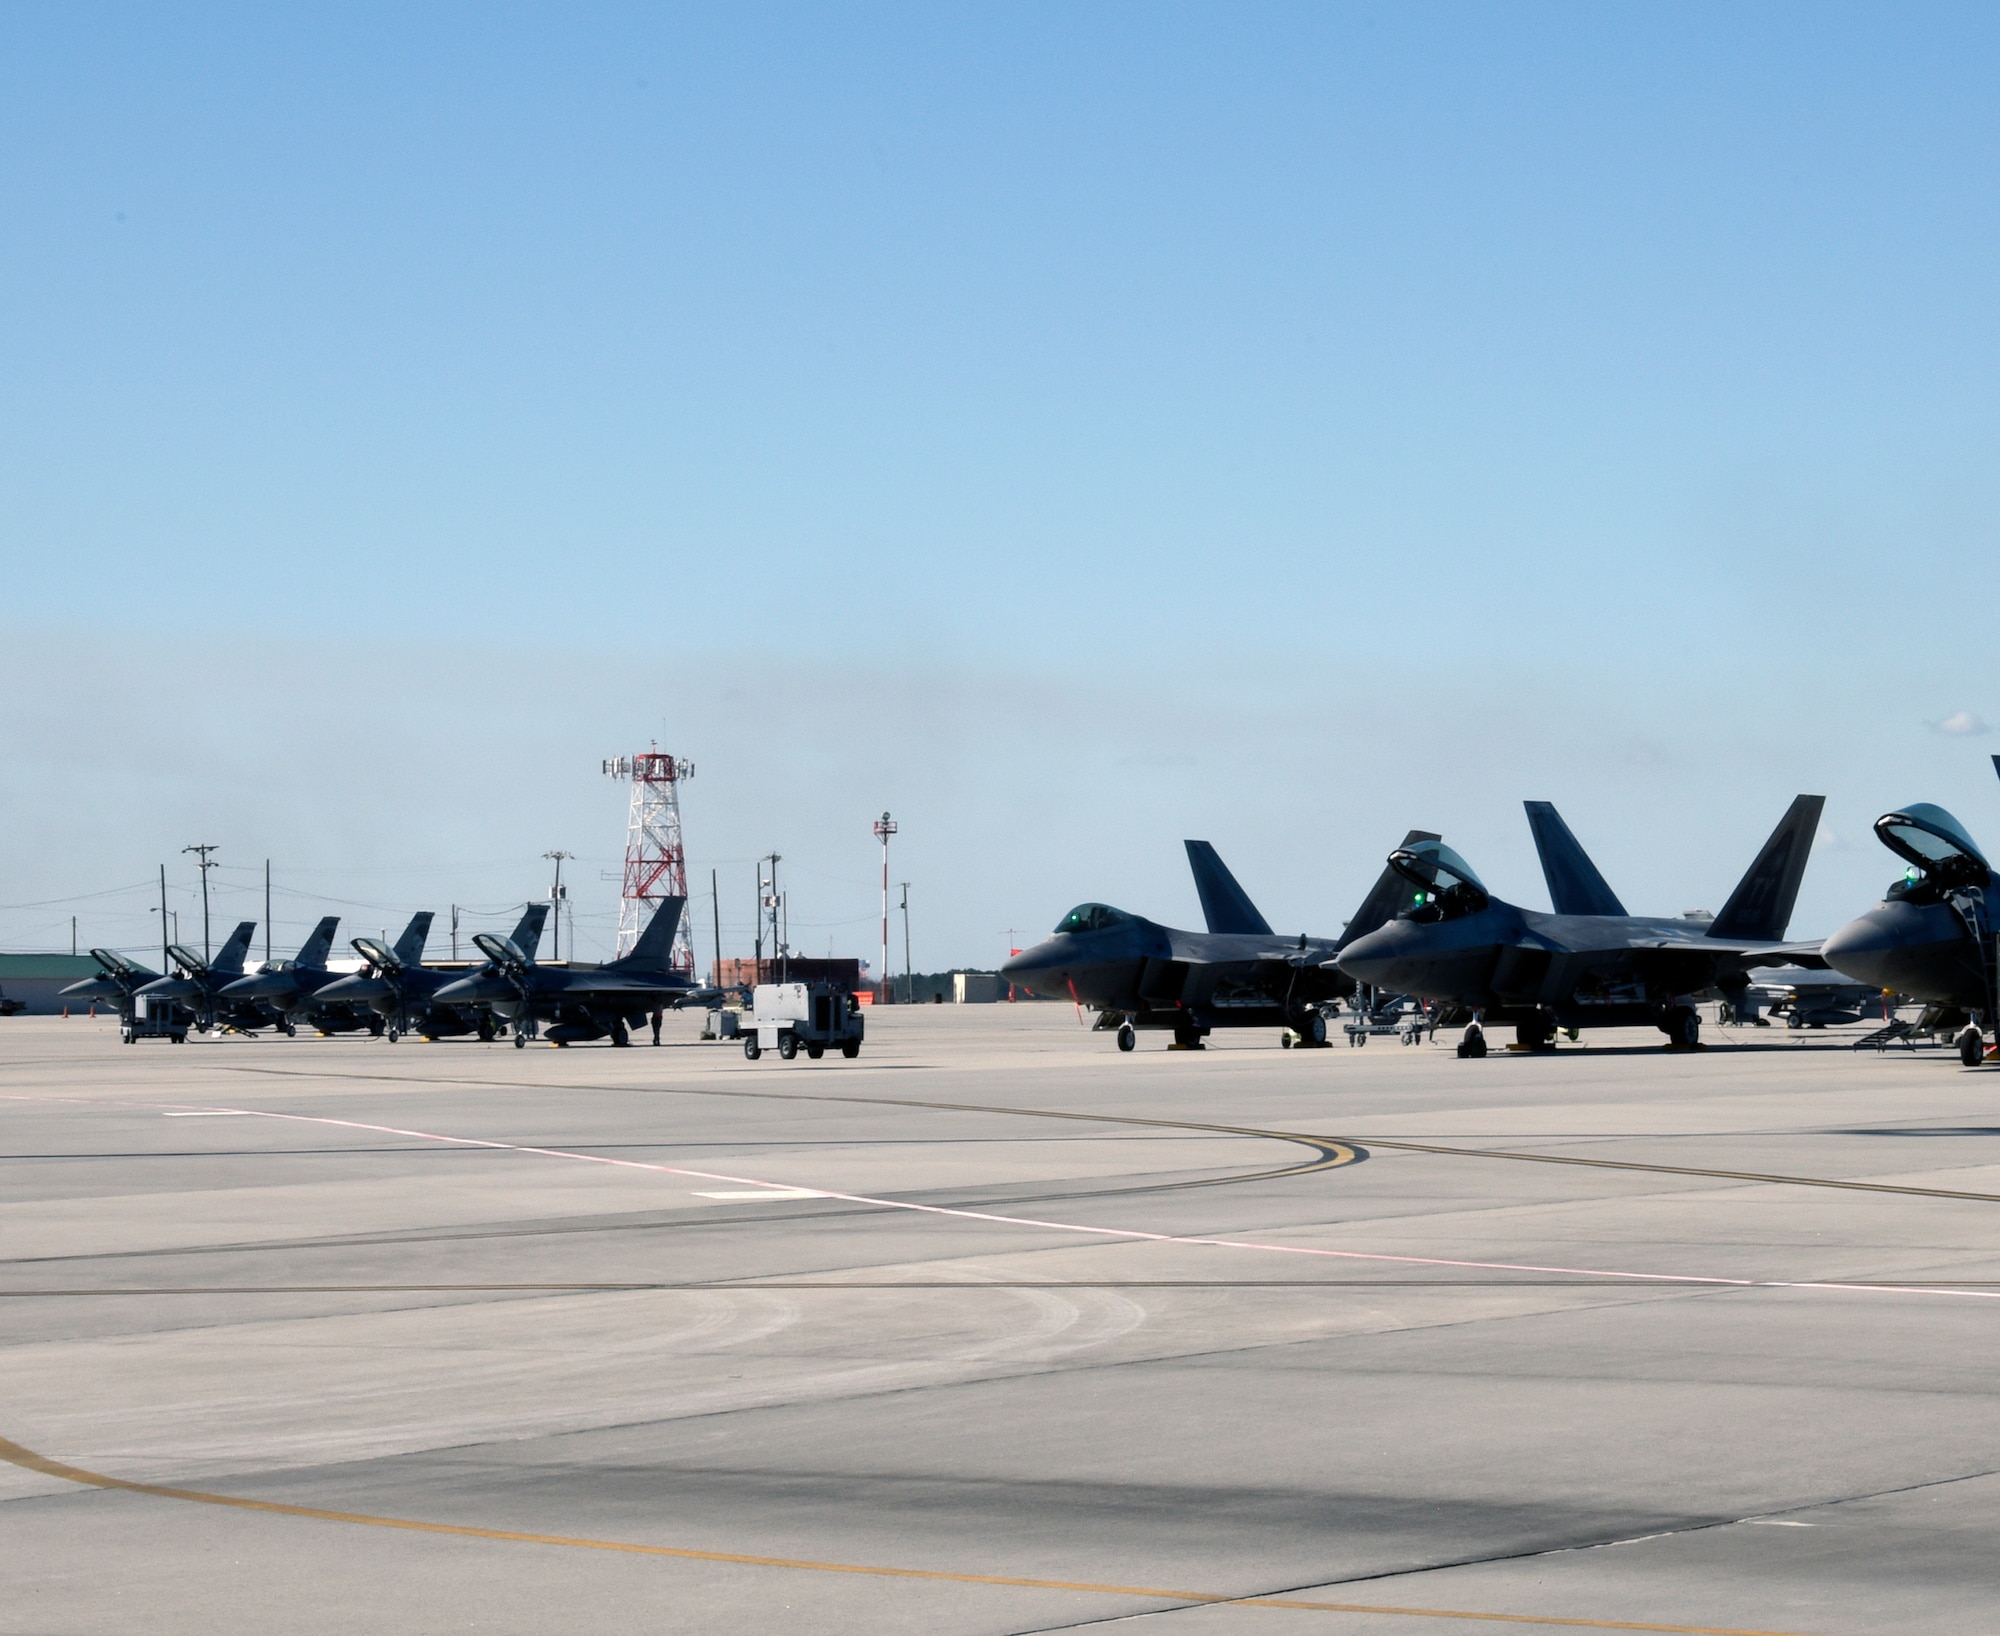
[655,861]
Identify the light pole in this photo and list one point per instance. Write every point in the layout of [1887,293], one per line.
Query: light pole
[556,898]
[201,851]
[885,826]
[909,978]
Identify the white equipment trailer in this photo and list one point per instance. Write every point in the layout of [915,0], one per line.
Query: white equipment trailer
[785,1016]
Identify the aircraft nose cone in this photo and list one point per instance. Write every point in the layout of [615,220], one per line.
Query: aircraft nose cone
[255,988]
[1916,949]
[1384,958]
[1038,968]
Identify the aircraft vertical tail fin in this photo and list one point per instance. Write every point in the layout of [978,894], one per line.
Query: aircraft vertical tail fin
[314,950]
[1224,903]
[1575,886]
[1379,907]
[1761,905]
[410,946]
[656,942]
[230,956]
[528,934]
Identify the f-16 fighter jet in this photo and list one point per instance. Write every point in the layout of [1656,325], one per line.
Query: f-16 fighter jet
[1136,973]
[1932,935]
[285,989]
[581,1002]
[401,992]
[198,984]
[116,982]
[1589,964]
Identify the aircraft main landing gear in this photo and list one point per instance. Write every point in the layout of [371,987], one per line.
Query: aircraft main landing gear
[1682,1026]
[1538,1035]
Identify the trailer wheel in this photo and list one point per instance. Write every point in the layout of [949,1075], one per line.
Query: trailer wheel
[851,1050]
[788,1046]
[751,1048]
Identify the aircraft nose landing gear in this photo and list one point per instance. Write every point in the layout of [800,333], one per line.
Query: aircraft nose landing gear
[1474,1042]
[1126,1037]
[1971,1046]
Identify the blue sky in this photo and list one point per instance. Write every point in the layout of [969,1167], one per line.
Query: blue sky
[1072,427]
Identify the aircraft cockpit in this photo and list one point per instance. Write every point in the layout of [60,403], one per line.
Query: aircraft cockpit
[1092,917]
[186,958]
[375,952]
[1941,855]
[1446,887]
[113,962]
[502,951]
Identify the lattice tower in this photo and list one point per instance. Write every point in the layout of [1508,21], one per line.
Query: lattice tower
[655,861]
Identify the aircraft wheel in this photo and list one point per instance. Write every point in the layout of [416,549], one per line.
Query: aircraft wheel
[1971,1047]
[1285,1039]
[1474,1043]
[520,1040]
[374,1027]
[1127,1038]
[618,1034]
[485,1030]
[1313,1030]
[395,1034]
[788,1046]
[851,1050]
[815,1052]
[1683,1027]
[751,1048]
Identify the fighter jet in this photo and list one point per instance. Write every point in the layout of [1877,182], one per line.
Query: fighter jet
[197,985]
[1590,963]
[401,992]
[1932,935]
[284,989]
[581,1002]
[1136,973]
[116,982]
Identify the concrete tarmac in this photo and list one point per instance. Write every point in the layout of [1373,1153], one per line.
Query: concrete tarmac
[996,1330]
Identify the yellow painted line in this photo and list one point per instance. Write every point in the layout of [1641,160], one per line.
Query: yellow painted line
[29,1460]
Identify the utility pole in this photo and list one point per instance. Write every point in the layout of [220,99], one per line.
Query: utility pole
[267,911]
[454,931]
[164,967]
[556,898]
[715,902]
[885,826]
[201,850]
[72,935]
[768,905]
[909,977]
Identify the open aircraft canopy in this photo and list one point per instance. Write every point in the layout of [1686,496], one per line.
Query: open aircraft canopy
[1935,842]
[502,951]
[1443,879]
[375,952]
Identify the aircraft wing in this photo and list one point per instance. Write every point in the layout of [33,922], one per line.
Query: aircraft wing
[1751,953]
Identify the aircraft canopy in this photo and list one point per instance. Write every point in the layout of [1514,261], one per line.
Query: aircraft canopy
[1934,841]
[1092,917]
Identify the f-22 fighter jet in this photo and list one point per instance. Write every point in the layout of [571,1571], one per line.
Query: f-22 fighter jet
[1589,963]
[1136,973]
[1932,935]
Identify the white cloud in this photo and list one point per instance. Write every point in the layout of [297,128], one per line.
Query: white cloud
[1961,724]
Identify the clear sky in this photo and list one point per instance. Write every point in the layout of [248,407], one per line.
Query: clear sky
[1071,427]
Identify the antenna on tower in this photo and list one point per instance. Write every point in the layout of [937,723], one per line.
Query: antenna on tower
[655,860]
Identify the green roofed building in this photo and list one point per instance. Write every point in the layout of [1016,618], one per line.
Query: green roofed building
[34,980]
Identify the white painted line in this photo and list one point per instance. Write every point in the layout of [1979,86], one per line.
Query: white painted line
[1777,1522]
[769,1193]
[210,1113]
